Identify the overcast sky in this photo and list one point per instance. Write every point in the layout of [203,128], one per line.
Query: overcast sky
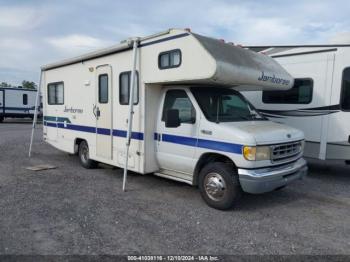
[37,32]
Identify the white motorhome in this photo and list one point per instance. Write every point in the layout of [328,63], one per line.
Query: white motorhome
[188,122]
[17,103]
[318,103]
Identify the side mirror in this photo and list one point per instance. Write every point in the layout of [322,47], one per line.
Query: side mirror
[172,119]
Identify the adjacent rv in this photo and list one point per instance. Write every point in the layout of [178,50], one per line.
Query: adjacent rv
[17,103]
[168,104]
[318,103]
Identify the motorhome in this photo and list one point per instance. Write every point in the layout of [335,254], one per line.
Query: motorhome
[318,103]
[17,103]
[168,104]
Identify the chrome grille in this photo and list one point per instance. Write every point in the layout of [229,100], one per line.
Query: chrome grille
[285,151]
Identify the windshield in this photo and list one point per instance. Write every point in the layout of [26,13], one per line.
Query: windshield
[224,105]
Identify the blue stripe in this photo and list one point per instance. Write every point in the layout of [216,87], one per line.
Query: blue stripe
[156,136]
[122,133]
[203,143]
[182,140]
[164,39]
[90,129]
[51,124]
[103,131]
[220,146]
[119,51]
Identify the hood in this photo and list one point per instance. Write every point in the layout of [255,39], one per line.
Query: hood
[267,132]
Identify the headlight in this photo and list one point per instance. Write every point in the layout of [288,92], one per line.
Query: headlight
[256,153]
[263,153]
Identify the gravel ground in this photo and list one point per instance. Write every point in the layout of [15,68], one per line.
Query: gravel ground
[71,210]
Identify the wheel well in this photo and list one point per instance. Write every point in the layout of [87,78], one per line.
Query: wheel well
[77,143]
[209,158]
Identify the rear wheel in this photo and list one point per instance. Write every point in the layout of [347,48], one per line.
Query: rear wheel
[219,185]
[84,156]
[1,119]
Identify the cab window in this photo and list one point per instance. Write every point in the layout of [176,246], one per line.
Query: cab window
[178,99]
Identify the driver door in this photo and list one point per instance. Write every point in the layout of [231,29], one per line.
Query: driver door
[176,146]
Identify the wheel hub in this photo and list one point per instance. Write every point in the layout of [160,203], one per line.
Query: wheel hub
[85,154]
[215,186]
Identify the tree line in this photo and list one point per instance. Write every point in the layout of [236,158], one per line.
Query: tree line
[25,85]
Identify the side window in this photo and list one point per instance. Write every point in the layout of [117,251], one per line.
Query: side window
[345,95]
[55,93]
[300,93]
[103,89]
[25,99]
[169,59]
[124,88]
[178,99]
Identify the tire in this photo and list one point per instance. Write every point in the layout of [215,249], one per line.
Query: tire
[219,185]
[1,119]
[84,157]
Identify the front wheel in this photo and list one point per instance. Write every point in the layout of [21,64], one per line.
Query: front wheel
[84,156]
[219,185]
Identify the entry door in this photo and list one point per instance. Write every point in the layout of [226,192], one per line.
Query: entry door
[104,112]
[2,102]
[176,146]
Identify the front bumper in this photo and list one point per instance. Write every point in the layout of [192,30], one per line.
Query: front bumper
[256,181]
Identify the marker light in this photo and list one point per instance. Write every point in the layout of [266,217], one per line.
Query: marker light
[256,153]
[249,152]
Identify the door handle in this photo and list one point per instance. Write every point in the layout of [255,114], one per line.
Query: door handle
[94,110]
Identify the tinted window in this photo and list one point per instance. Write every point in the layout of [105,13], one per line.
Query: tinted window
[178,99]
[25,99]
[224,105]
[169,59]
[55,93]
[300,93]
[103,89]
[345,96]
[124,88]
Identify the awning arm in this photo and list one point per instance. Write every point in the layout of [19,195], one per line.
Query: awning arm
[131,110]
[35,114]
